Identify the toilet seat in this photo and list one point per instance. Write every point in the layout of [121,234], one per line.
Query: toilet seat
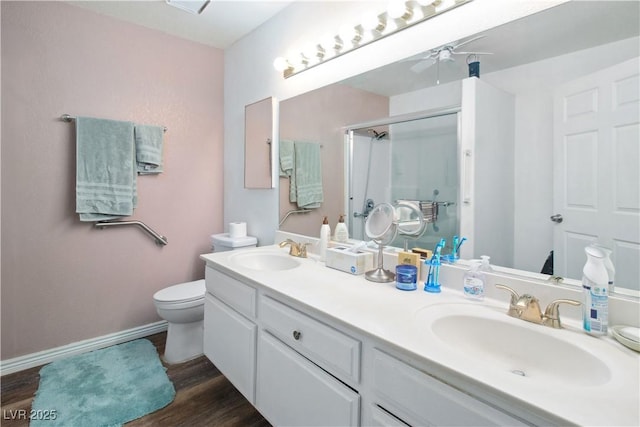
[183,295]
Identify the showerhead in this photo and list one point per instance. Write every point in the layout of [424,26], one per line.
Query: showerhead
[377,135]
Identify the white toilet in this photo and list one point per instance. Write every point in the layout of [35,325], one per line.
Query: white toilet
[182,306]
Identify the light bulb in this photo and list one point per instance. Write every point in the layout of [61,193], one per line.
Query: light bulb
[349,35]
[330,44]
[371,21]
[398,9]
[281,64]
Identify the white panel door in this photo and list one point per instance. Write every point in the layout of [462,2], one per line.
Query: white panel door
[597,170]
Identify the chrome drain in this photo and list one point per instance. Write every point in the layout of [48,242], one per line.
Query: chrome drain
[519,372]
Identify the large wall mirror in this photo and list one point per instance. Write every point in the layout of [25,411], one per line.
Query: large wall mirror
[260,133]
[535,59]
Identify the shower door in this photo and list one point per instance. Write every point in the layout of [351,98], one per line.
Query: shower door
[416,160]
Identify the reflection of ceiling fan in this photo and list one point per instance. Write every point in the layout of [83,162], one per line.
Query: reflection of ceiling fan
[444,54]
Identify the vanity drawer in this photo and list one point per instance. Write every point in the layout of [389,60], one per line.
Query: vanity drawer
[419,399]
[233,292]
[328,347]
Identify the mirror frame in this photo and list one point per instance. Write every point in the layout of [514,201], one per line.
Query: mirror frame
[261,124]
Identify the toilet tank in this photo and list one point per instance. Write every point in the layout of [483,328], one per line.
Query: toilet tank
[223,242]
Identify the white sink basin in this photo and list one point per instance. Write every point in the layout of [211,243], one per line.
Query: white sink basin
[496,342]
[265,261]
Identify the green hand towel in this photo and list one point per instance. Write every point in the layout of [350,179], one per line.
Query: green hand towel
[148,149]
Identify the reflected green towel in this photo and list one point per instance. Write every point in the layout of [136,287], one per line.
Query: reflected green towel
[286,158]
[148,149]
[308,174]
[287,162]
[105,169]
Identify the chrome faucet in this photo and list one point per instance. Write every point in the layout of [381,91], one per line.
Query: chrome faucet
[295,249]
[527,307]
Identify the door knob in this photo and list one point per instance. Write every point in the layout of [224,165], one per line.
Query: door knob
[556,218]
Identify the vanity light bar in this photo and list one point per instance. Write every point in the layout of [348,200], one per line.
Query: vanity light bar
[400,14]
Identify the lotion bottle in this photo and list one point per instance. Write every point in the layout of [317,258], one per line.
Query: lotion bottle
[595,288]
[342,234]
[325,234]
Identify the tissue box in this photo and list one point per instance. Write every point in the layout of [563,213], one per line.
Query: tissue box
[341,258]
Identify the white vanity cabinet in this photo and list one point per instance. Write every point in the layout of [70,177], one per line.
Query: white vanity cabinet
[300,367]
[230,331]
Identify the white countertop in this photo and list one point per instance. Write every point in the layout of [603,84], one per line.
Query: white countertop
[388,314]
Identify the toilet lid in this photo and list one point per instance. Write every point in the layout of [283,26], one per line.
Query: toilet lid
[182,292]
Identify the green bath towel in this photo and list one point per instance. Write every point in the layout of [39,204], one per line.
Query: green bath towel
[105,169]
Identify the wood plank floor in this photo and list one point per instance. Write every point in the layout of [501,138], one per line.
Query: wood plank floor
[204,397]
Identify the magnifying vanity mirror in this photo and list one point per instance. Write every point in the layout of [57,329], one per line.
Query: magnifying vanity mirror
[260,132]
[558,65]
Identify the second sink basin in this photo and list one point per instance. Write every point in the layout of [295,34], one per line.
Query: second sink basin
[495,341]
[265,261]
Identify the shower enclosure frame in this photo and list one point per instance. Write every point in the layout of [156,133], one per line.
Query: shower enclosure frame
[349,132]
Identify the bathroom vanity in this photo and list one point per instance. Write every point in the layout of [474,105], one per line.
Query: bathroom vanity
[309,345]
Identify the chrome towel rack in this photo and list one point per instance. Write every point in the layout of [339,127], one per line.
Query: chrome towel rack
[69,118]
[159,239]
[293,211]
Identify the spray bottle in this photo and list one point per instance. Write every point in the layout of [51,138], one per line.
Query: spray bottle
[611,270]
[595,287]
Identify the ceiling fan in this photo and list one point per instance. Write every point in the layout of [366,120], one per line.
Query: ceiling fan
[444,53]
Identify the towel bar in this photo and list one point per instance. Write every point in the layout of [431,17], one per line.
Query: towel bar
[68,118]
[293,211]
[160,239]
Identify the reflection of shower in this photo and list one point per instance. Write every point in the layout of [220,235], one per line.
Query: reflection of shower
[368,204]
[377,135]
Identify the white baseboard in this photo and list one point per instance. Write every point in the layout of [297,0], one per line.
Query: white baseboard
[27,361]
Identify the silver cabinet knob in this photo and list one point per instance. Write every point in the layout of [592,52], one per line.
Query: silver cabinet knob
[297,335]
[556,218]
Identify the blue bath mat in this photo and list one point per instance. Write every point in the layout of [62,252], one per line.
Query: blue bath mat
[107,387]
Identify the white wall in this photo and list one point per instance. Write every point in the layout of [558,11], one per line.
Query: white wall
[249,75]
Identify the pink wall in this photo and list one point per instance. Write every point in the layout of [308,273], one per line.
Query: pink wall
[62,280]
[319,116]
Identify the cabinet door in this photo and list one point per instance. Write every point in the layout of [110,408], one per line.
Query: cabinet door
[420,399]
[293,391]
[230,344]
[382,418]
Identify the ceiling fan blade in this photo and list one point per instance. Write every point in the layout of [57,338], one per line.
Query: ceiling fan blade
[422,65]
[462,43]
[418,59]
[472,53]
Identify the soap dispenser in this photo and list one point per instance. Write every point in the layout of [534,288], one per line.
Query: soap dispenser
[473,283]
[342,234]
[484,264]
[325,234]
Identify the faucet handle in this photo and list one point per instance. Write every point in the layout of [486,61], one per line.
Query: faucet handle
[514,294]
[552,312]
[513,311]
[303,249]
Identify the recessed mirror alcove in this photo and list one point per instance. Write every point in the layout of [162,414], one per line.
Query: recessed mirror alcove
[540,61]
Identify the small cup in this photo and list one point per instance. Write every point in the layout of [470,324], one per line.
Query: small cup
[406,277]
